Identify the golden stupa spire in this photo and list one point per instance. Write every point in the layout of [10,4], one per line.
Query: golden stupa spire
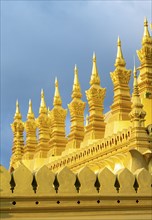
[137,113]
[95,96]
[119,59]
[76,108]
[17,112]
[30,114]
[76,92]
[146,31]
[57,98]
[147,39]
[18,141]
[43,108]
[145,58]
[95,79]
[30,127]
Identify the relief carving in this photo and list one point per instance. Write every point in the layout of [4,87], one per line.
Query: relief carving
[58,113]
[76,108]
[120,76]
[95,94]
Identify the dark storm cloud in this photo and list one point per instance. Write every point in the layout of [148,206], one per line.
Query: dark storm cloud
[44,39]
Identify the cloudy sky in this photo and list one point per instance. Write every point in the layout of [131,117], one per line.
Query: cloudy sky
[44,39]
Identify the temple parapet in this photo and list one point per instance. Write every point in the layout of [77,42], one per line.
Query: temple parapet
[69,183]
[46,194]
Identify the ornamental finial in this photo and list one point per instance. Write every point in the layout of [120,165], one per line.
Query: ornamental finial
[43,108]
[119,59]
[30,114]
[94,76]
[57,97]
[76,92]
[17,112]
[146,31]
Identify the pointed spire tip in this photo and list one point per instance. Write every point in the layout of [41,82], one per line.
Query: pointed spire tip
[119,41]
[17,111]
[135,70]
[94,55]
[42,92]
[57,98]
[145,21]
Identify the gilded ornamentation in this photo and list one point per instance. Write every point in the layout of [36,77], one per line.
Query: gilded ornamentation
[145,54]
[57,118]
[96,94]
[97,146]
[43,108]
[76,108]
[120,75]
[76,92]
[145,57]
[18,142]
[58,114]
[137,113]
[95,79]
[17,125]
[57,98]
[31,140]
[119,59]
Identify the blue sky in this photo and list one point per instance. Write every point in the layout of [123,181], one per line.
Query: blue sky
[44,39]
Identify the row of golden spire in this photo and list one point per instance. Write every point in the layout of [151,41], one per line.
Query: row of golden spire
[95,79]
